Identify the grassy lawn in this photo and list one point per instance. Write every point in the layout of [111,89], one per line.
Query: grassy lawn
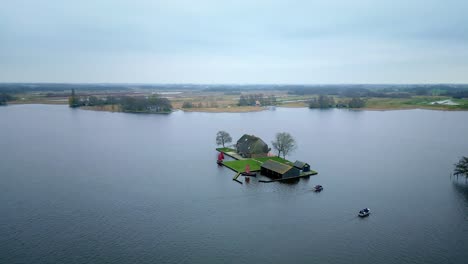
[278,159]
[226,149]
[414,102]
[239,165]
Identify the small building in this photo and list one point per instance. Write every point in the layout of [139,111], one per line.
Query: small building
[250,146]
[277,170]
[304,167]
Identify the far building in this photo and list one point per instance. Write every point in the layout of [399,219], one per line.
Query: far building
[250,146]
[304,167]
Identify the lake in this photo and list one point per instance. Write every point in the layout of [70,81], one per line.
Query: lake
[80,186]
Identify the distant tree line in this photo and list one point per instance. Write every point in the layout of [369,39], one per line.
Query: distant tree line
[4,98]
[212,104]
[358,90]
[150,104]
[252,99]
[384,91]
[142,104]
[232,93]
[324,101]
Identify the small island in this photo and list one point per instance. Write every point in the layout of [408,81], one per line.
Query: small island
[252,154]
[152,104]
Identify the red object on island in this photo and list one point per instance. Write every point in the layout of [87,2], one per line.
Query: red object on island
[220,156]
[247,168]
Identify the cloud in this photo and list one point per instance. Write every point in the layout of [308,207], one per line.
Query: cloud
[234,41]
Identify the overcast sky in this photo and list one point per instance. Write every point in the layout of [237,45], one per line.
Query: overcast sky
[239,41]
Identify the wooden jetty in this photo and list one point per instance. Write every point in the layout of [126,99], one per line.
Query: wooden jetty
[237,176]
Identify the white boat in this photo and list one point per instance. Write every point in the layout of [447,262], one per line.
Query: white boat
[364,212]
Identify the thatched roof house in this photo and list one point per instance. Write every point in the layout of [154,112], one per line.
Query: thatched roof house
[250,146]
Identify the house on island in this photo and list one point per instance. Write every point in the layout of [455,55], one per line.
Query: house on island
[302,166]
[250,146]
[277,170]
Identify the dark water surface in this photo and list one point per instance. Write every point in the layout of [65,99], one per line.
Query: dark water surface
[80,186]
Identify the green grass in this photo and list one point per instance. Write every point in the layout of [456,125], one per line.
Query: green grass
[415,102]
[239,165]
[226,149]
[309,173]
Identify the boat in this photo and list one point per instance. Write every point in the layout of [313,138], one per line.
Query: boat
[364,212]
[220,158]
[318,188]
[247,172]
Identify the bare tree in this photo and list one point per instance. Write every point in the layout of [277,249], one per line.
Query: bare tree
[223,137]
[284,143]
[461,167]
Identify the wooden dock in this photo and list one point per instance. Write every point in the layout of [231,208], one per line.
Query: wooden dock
[237,176]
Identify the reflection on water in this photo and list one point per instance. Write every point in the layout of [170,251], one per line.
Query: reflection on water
[82,186]
[461,187]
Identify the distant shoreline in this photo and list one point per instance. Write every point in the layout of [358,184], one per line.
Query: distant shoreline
[244,101]
[243,109]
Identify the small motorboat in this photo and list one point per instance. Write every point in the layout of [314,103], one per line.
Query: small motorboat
[247,172]
[318,188]
[364,212]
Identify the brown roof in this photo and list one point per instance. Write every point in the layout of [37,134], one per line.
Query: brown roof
[276,166]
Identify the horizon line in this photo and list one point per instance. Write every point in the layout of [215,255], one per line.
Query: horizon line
[237,84]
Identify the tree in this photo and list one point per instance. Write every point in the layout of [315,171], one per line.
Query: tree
[93,100]
[322,102]
[356,102]
[314,103]
[187,105]
[223,137]
[4,98]
[461,167]
[243,100]
[284,143]
[326,101]
[73,100]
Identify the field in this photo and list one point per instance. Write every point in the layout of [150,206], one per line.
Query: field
[226,101]
[278,159]
[414,102]
[255,163]
[239,165]
[226,150]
